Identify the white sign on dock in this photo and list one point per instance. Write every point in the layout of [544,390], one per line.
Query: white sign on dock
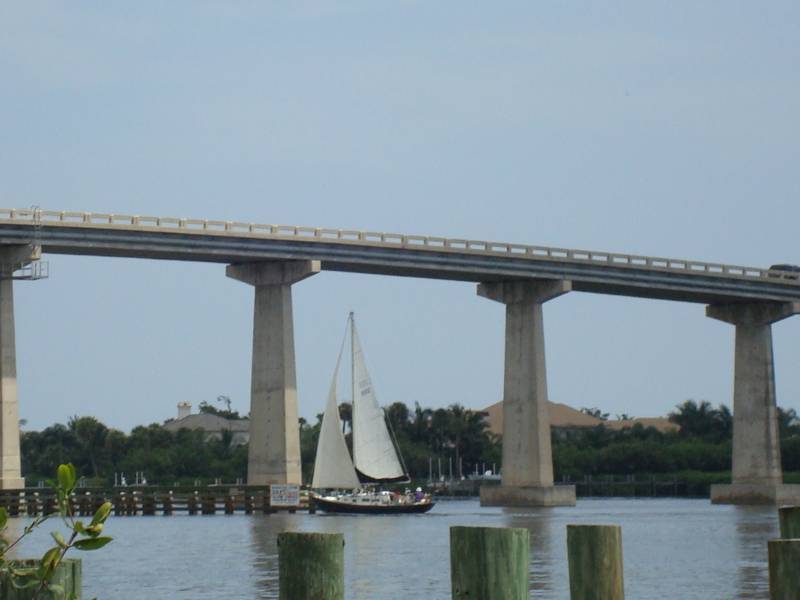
[284,494]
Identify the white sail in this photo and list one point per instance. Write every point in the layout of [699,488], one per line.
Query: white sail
[333,467]
[373,451]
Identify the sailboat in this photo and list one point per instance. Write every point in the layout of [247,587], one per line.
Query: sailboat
[376,459]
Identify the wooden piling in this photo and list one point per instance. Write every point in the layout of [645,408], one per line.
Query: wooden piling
[97,501]
[49,506]
[32,504]
[132,508]
[119,504]
[13,505]
[166,504]
[789,517]
[595,562]
[85,505]
[784,573]
[149,505]
[191,504]
[67,575]
[209,505]
[266,506]
[489,563]
[311,566]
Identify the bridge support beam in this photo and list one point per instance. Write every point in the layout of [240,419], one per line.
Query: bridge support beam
[757,476]
[274,449]
[527,455]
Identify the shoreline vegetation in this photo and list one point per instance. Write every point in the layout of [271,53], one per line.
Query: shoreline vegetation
[437,444]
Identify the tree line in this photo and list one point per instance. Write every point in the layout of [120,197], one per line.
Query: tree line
[449,436]
[99,452]
[702,442]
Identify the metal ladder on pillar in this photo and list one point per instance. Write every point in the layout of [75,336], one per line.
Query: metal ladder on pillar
[35,269]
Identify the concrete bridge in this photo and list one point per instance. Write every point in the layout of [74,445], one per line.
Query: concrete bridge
[272,258]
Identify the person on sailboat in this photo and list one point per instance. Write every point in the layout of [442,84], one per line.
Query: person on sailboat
[419,494]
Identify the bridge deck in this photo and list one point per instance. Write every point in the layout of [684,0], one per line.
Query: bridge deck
[393,254]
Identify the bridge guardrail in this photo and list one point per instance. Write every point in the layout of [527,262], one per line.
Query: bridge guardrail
[396,240]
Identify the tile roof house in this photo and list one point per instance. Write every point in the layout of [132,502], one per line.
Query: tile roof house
[212,425]
[566,417]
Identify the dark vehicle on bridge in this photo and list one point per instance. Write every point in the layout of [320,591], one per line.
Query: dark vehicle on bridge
[785,271]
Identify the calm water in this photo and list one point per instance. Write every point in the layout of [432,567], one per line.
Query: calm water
[671,549]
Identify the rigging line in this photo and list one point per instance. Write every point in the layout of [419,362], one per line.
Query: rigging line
[396,445]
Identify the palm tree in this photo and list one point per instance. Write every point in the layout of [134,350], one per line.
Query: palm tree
[91,437]
[421,424]
[398,416]
[788,422]
[346,415]
[467,433]
[703,420]
[595,412]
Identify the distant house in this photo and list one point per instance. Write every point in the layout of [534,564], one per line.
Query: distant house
[566,417]
[212,425]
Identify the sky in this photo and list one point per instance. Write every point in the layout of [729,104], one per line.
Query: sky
[658,128]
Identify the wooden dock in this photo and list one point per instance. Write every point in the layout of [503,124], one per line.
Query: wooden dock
[151,501]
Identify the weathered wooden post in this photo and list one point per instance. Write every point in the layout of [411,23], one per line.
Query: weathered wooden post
[85,504]
[166,504]
[267,505]
[595,562]
[149,504]
[49,505]
[784,569]
[97,501]
[208,504]
[67,576]
[789,517]
[133,505]
[74,504]
[489,563]
[14,505]
[311,566]
[32,504]
[119,504]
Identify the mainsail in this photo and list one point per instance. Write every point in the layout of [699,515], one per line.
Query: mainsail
[374,453]
[332,466]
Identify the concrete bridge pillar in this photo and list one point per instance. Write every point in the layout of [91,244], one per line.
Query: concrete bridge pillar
[11,259]
[757,476]
[274,450]
[10,469]
[527,455]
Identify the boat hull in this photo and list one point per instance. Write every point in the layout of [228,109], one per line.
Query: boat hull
[334,506]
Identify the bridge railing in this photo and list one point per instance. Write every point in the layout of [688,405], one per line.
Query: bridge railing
[432,243]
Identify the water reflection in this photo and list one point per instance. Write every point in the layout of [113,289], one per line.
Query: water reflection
[540,522]
[687,549]
[672,548]
[754,526]
[264,543]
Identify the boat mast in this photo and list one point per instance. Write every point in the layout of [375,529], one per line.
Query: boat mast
[352,382]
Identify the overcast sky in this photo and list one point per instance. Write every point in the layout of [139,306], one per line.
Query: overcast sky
[659,128]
